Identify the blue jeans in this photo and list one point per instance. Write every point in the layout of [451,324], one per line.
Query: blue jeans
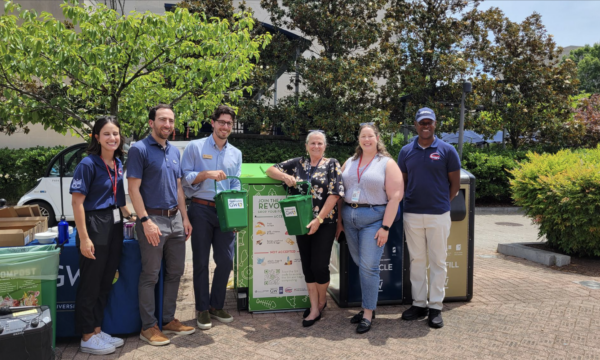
[361,225]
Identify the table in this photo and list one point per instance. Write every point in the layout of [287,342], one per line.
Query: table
[122,315]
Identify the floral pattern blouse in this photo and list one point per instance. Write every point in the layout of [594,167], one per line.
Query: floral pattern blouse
[325,180]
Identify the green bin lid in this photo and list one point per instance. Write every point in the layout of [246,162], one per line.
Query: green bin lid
[255,174]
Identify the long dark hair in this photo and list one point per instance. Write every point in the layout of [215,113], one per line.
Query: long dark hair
[94,147]
[381,150]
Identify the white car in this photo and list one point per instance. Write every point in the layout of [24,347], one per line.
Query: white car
[47,194]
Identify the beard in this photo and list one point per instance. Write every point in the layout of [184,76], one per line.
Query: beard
[160,134]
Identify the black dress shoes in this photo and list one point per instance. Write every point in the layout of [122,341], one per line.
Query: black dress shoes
[307,323]
[358,317]
[414,312]
[435,319]
[363,326]
[307,311]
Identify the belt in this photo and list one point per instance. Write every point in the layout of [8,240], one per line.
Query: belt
[354,205]
[204,202]
[161,212]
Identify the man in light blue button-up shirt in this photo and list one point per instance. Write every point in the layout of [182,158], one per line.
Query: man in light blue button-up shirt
[205,161]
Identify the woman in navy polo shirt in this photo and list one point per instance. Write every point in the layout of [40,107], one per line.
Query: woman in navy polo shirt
[98,193]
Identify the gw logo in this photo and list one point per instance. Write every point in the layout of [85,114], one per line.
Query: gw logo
[72,277]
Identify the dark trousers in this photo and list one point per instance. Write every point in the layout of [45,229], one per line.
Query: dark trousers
[315,253]
[97,275]
[207,233]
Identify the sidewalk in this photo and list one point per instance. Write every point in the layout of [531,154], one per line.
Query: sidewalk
[520,310]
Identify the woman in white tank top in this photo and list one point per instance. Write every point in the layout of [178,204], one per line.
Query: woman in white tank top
[373,190]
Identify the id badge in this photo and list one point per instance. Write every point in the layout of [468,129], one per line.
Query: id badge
[355,195]
[116,215]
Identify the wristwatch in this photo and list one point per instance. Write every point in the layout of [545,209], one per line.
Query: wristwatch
[386,228]
[128,217]
[320,220]
[144,219]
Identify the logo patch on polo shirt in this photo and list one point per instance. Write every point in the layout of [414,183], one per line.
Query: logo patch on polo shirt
[174,161]
[120,171]
[76,184]
[434,156]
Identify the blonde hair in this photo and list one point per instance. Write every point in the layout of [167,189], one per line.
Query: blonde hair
[381,150]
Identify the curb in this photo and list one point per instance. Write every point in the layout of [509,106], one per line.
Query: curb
[500,210]
[521,250]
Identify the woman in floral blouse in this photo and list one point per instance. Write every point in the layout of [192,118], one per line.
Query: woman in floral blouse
[325,176]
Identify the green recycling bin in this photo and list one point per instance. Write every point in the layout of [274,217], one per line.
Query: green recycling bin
[297,211]
[267,265]
[28,277]
[231,208]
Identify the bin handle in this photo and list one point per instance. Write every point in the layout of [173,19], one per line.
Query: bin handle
[298,183]
[229,177]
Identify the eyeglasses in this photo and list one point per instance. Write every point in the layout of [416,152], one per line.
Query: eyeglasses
[321,131]
[224,123]
[367,123]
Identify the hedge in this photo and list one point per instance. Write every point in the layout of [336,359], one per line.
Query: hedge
[561,192]
[20,169]
[491,168]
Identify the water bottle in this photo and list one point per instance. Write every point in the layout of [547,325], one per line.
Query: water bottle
[63,231]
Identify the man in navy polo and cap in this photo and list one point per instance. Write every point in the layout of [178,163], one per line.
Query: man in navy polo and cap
[431,171]
[154,176]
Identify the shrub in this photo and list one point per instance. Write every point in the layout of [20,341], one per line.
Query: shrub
[491,168]
[20,169]
[561,192]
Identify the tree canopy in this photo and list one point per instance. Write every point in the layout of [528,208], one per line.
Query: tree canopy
[65,74]
[587,59]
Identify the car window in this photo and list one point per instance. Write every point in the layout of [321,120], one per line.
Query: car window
[71,160]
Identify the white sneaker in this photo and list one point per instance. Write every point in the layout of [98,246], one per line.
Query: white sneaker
[95,345]
[116,342]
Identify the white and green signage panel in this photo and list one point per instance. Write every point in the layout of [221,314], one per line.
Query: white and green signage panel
[267,258]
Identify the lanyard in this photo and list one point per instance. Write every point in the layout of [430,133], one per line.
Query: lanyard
[114,185]
[358,173]
[310,170]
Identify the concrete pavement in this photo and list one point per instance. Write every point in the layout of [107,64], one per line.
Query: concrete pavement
[520,310]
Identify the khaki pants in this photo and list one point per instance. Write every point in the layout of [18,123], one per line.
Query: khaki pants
[427,235]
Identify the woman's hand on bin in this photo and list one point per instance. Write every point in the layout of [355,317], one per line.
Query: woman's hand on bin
[289,180]
[87,248]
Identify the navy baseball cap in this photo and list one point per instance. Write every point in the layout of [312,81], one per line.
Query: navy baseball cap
[425,113]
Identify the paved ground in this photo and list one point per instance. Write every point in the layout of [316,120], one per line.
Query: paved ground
[520,310]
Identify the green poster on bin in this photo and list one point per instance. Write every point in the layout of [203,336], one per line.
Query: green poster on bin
[28,277]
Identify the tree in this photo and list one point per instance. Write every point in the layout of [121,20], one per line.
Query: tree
[339,75]
[523,87]
[430,48]
[587,59]
[275,58]
[119,65]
